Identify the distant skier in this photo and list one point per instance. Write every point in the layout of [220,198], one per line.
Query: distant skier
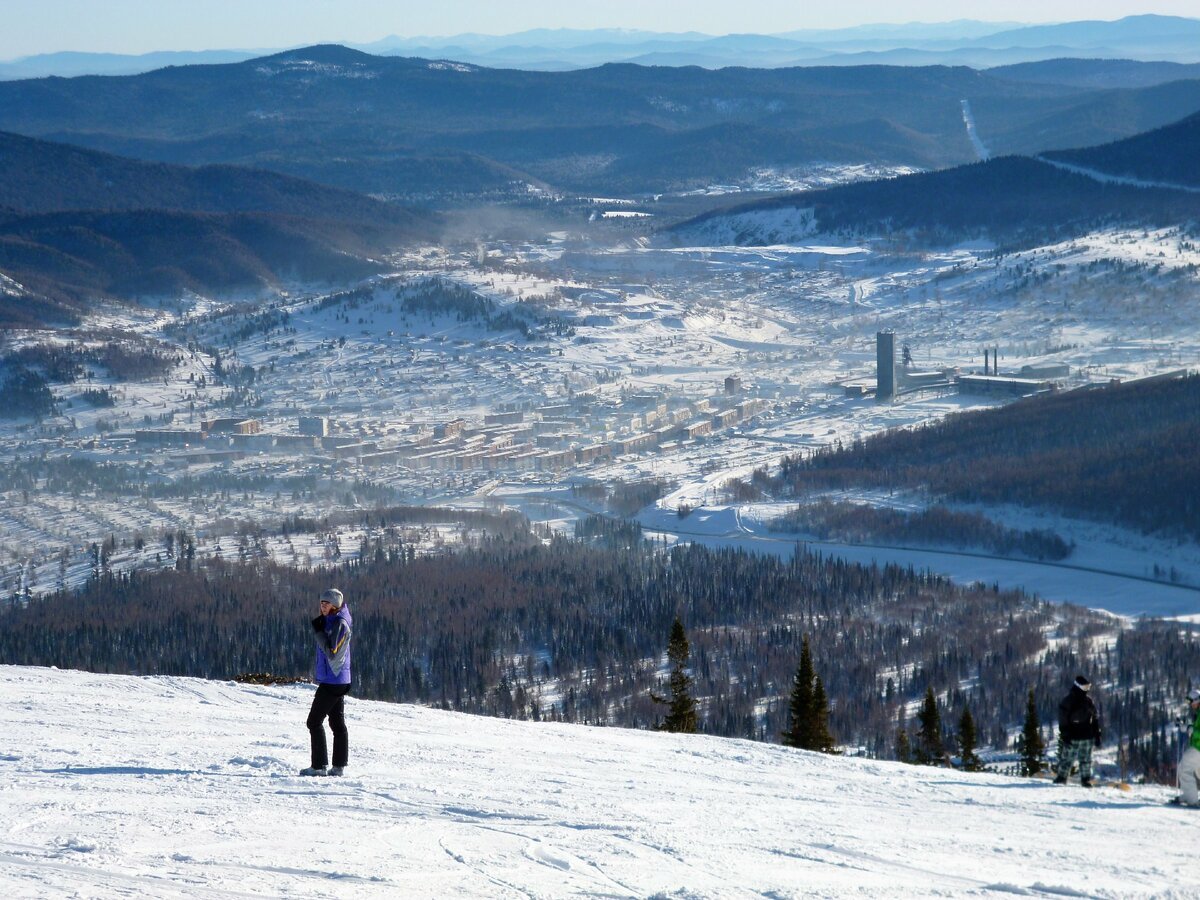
[1078,731]
[1189,766]
[332,632]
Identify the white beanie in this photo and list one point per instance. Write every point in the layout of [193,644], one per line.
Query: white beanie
[333,596]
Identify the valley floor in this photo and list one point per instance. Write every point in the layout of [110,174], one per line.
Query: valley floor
[114,786]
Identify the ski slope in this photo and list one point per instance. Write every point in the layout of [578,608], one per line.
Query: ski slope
[117,786]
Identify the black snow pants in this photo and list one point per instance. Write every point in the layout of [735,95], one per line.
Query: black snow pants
[330,700]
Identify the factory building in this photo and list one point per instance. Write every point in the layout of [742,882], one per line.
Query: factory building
[1048,372]
[1002,385]
[885,365]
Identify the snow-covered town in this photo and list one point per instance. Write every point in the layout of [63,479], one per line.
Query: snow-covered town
[510,370]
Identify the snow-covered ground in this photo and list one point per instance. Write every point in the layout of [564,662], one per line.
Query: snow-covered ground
[1108,178]
[115,786]
[1110,568]
[795,322]
[806,178]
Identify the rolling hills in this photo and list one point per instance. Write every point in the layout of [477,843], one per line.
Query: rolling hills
[1009,199]
[1169,155]
[1012,200]
[76,224]
[959,42]
[391,122]
[46,176]
[1098,73]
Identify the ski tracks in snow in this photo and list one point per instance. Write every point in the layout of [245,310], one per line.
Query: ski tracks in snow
[117,787]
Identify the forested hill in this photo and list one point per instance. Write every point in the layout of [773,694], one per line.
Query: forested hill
[1124,453]
[1170,155]
[1011,200]
[1098,73]
[77,225]
[65,261]
[45,176]
[617,126]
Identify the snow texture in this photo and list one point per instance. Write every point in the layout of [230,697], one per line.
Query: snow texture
[117,786]
[796,322]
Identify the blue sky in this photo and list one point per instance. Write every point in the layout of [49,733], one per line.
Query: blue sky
[140,26]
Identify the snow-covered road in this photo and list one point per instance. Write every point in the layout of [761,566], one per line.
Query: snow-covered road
[1126,180]
[116,786]
[977,143]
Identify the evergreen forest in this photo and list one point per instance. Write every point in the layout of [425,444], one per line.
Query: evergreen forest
[1122,453]
[577,630]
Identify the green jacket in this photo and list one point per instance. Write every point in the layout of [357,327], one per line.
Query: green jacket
[1196,731]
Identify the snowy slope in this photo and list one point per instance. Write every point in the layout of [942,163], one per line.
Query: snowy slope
[164,787]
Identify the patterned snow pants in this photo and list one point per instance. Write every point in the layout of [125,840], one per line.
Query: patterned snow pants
[1071,752]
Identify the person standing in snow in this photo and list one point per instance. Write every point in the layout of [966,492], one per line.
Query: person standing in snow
[1189,766]
[1078,731]
[332,633]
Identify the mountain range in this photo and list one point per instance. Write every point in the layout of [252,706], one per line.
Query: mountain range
[410,128]
[243,175]
[961,42]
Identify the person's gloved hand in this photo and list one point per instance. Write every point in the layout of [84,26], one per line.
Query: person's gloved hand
[318,625]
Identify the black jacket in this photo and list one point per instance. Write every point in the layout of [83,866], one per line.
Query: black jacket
[1077,717]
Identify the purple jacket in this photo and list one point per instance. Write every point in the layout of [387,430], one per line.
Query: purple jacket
[333,648]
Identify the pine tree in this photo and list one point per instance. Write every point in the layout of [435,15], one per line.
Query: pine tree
[808,708]
[903,748]
[1030,743]
[822,740]
[930,751]
[967,741]
[799,733]
[681,708]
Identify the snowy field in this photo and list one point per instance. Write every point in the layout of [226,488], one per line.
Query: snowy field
[114,786]
[794,321]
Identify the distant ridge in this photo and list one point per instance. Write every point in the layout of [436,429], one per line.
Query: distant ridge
[1149,32]
[1170,154]
[1011,199]
[1098,73]
[46,176]
[421,128]
[959,42]
[77,225]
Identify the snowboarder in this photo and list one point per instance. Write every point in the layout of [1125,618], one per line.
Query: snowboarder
[332,632]
[1078,731]
[1189,766]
